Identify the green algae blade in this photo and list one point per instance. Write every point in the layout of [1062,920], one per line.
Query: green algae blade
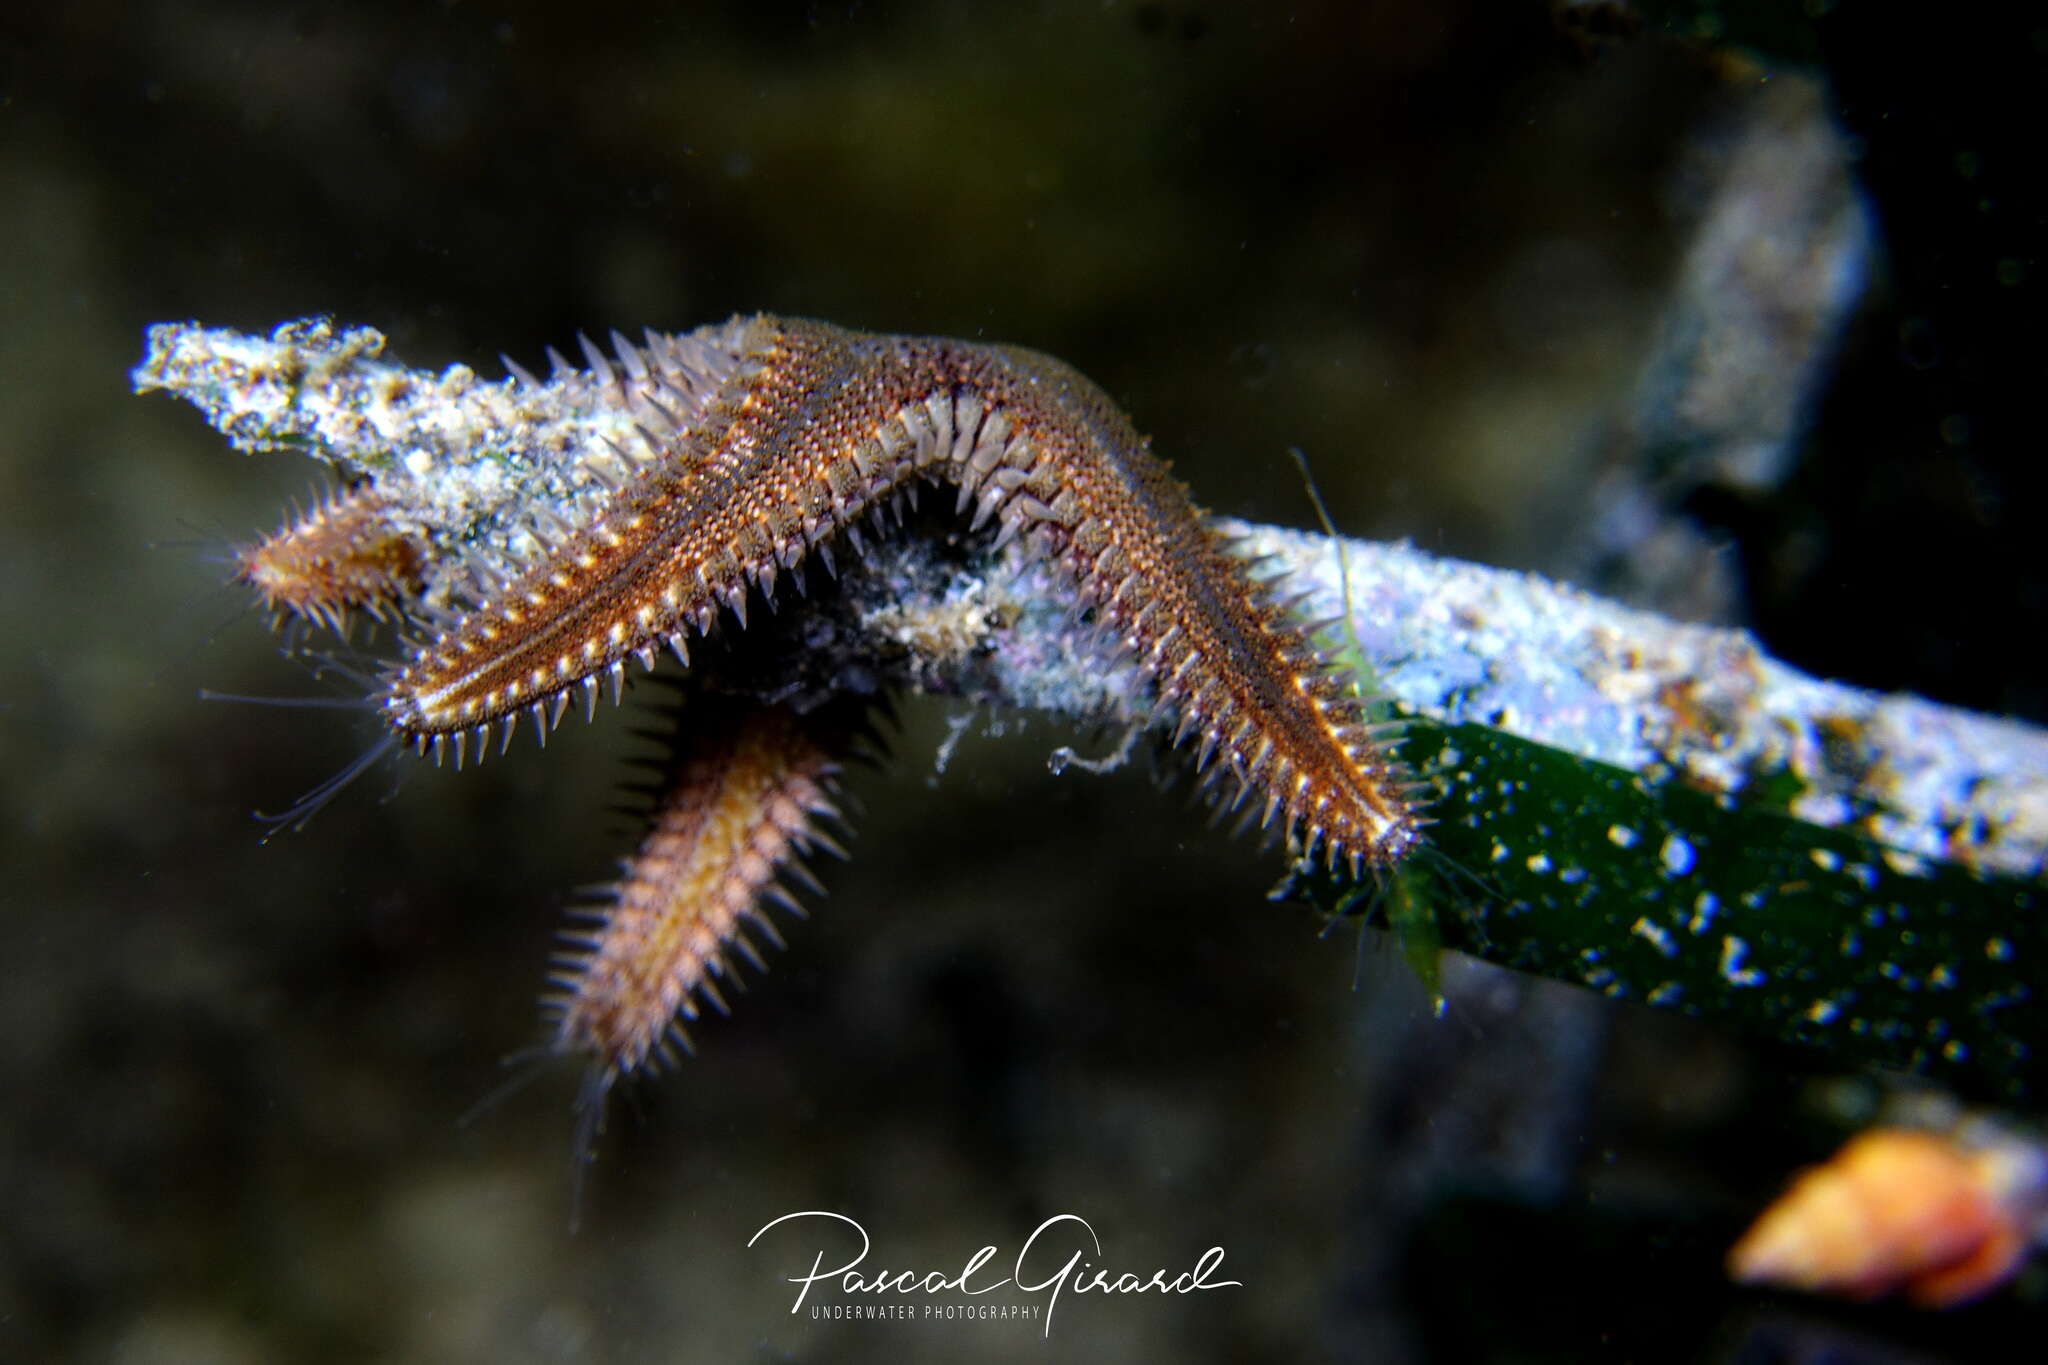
[1656,892]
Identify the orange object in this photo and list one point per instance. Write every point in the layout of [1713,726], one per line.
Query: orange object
[1897,1210]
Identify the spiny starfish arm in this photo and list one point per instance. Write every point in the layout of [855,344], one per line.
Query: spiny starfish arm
[745,790]
[816,428]
[354,550]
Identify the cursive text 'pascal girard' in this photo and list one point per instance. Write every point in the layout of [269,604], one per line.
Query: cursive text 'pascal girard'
[1052,1260]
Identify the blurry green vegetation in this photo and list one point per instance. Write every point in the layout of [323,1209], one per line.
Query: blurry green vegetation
[1779,31]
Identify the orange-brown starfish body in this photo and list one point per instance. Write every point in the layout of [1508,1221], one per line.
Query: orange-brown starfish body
[755,447]
[814,427]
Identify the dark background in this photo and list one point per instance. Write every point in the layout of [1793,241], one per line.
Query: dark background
[1430,244]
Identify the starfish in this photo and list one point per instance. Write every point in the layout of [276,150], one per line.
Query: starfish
[710,471]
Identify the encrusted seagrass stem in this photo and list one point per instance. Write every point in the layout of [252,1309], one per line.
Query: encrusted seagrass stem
[498,463]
